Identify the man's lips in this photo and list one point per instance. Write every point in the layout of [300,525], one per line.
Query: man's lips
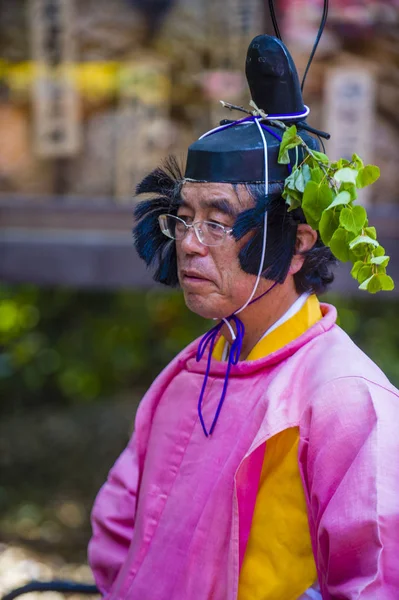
[193,277]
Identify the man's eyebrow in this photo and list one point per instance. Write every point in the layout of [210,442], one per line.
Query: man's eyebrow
[220,204]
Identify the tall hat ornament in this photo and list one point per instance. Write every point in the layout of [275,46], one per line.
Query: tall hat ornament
[270,147]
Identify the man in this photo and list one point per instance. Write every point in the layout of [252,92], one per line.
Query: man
[266,468]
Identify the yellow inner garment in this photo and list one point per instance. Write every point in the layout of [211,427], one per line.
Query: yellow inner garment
[278,562]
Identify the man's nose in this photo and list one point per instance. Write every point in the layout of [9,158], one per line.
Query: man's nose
[190,244]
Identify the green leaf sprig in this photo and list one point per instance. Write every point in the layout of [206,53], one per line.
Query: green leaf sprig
[326,192]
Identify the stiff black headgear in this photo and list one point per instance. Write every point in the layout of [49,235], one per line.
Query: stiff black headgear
[235,153]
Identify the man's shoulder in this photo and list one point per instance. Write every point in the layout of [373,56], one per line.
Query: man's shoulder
[168,373]
[344,394]
[333,356]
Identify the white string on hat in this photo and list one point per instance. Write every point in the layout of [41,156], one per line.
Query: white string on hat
[264,222]
[266,183]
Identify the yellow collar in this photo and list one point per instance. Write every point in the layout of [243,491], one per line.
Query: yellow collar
[285,333]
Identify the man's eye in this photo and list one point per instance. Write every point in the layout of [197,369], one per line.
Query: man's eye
[218,223]
[215,227]
[185,218]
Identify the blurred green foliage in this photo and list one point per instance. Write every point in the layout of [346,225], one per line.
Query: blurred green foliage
[66,346]
[373,323]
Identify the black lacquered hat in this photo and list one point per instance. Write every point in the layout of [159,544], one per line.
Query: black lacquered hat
[234,152]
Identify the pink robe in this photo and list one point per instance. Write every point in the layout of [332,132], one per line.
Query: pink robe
[173,519]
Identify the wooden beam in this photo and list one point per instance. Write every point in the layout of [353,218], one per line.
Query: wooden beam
[88,243]
[87,259]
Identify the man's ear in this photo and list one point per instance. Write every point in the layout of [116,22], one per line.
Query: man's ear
[306,237]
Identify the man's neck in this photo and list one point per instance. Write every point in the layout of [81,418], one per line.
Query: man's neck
[261,315]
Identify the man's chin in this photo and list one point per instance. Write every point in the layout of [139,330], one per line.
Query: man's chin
[201,305]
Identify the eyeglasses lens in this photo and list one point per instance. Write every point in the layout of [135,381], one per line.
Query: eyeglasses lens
[210,234]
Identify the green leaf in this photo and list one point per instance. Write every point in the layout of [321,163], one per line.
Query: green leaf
[342,162]
[339,244]
[380,260]
[357,161]
[371,232]
[353,257]
[353,218]
[289,134]
[289,141]
[306,173]
[329,223]
[300,182]
[372,284]
[364,273]
[341,198]
[346,175]
[316,174]
[360,252]
[320,156]
[292,192]
[375,283]
[379,251]
[363,239]
[349,187]
[290,180]
[367,176]
[292,201]
[316,199]
[387,283]
[364,284]
[283,156]
[356,268]
[299,178]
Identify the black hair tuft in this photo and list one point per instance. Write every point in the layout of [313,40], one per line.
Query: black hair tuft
[158,252]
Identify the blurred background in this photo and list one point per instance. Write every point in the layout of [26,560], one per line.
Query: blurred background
[93,95]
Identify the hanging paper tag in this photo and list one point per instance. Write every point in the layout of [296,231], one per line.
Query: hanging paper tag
[144,128]
[55,98]
[349,99]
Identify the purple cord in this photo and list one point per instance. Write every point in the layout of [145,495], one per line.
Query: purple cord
[228,125]
[252,119]
[234,357]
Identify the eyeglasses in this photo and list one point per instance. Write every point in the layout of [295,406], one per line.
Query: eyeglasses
[207,232]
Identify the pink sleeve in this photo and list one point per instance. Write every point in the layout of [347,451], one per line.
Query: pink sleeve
[113,518]
[352,472]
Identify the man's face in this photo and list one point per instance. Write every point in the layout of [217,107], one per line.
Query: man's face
[212,280]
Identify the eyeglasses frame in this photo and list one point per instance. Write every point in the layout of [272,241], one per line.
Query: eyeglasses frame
[226,230]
